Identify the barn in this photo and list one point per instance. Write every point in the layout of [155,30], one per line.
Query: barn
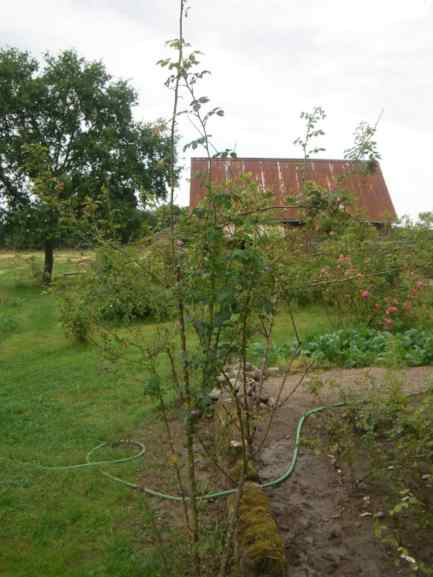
[284,177]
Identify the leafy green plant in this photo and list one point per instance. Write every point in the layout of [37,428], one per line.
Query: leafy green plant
[363,347]
[77,312]
[125,287]
[275,353]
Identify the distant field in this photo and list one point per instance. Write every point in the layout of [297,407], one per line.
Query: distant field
[63,260]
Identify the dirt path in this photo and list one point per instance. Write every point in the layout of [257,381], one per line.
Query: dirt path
[337,382]
[319,515]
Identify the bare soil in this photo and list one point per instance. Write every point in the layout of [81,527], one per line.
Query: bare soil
[323,519]
[326,524]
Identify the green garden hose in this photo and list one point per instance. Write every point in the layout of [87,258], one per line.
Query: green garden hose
[208,496]
[291,468]
[89,463]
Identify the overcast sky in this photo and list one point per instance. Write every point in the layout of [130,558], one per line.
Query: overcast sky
[270,60]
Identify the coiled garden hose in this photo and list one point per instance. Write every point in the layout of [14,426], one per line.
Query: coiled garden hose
[89,463]
[208,496]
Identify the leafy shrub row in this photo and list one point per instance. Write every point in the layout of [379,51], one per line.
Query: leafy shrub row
[363,347]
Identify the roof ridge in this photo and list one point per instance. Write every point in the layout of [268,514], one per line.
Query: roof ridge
[276,159]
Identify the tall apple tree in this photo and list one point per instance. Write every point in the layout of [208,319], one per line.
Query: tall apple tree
[68,138]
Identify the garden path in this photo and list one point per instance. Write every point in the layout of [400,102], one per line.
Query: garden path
[327,523]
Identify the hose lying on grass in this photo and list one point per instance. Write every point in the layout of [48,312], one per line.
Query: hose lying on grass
[213,495]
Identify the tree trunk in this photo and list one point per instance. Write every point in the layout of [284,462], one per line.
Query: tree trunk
[48,262]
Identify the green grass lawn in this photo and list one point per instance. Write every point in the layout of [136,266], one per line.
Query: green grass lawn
[57,401]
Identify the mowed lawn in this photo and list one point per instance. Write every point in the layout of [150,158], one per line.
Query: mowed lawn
[58,400]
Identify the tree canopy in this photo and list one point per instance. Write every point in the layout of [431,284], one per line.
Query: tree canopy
[68,137]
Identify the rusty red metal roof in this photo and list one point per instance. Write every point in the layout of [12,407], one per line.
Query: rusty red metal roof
[283,177]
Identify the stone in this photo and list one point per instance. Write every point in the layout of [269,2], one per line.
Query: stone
[235,384]
[272,371]
[257,375]
[215,394]
[271,402]
[235,444]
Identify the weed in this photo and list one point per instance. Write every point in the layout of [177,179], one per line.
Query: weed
[7,325]
[389,433]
